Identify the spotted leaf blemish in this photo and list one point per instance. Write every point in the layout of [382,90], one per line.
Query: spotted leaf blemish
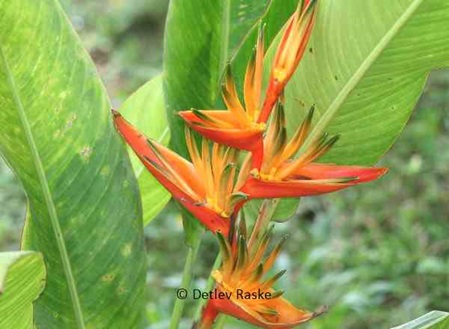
[126,249]
[106,170]
[125,183]
[86,152]
[70,122]
[108,277]
[121,290]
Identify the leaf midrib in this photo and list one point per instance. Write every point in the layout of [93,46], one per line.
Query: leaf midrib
[225,30]
[427,320]
[341,97]
[235,51]
[54,220]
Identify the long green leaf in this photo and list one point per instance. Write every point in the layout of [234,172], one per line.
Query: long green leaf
[365,69]
[145,109]
[194,56]
[57,135]
[432,320]
[22,280]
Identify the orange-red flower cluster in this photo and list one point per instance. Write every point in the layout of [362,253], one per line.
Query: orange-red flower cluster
[207,186]
[213,187]
[244,292]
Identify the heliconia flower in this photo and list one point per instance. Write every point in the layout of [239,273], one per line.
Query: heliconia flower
[289,53]
[281,175]
[237,126]
[204,186]
[242,290]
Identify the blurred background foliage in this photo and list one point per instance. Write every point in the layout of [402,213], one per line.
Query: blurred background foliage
[377,254]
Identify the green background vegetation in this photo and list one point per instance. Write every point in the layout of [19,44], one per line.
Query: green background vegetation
[377,254]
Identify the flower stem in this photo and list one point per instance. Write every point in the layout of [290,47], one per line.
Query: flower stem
[266,213]
[208,317]
[221,321]
[186,279]
[209,287]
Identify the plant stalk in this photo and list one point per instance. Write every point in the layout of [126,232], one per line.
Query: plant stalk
[221,321]
[186,280]
[266,212]
[209,286]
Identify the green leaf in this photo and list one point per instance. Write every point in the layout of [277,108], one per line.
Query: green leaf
[432,320]
[57,135]
[145,109]
[365,69]
[22,280]
[285,209]
[241,17]
[194,57]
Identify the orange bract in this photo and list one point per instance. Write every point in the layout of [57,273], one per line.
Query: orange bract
[236,127]
[204,186]
[289,53]
[246,294]
[282,175]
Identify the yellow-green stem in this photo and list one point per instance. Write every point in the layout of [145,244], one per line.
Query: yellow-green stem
[186,279]
[219,324]
[209,286]
[266,212]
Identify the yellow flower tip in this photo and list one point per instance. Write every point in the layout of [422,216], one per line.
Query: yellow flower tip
[262,126]
[280,74]
[269,177]
[217,276]
[255,173]
[224,214]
